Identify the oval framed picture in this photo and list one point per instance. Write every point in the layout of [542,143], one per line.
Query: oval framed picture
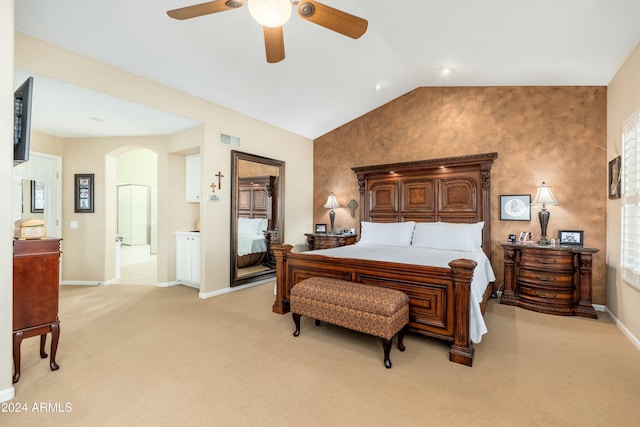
[515,207]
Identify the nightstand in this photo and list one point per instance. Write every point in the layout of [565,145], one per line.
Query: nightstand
[549,279]
[326,241]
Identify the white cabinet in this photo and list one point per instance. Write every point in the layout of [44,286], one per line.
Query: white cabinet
[193,178]
[188,258]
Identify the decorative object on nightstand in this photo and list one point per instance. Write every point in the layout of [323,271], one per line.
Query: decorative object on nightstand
[571,237]
[332,203]
[549,279]
[544,197]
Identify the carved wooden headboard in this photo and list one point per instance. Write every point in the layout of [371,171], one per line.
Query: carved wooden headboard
[256,198]
[452,189]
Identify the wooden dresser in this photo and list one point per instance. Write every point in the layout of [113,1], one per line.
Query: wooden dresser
[327,241]
[36,282]
[549,279]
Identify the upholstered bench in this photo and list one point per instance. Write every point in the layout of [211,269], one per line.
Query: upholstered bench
[374,310]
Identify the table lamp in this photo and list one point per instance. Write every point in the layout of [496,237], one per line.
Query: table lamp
[331,204]
[544,197]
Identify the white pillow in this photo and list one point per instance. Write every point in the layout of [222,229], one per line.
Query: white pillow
[263,224]
[449,236]
[249,225]
[387,234]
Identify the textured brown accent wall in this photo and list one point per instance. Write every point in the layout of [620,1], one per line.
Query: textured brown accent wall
[551,134]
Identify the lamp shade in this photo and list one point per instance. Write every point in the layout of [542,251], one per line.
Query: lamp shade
[270,13]
[331,202]
[544,196]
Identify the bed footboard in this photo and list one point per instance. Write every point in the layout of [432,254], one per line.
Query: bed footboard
[439,298]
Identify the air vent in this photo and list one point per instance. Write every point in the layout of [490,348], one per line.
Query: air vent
[230,140]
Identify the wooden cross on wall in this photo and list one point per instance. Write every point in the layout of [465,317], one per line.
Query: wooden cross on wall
[219,175]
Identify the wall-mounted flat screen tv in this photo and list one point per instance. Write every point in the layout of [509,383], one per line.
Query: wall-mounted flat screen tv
[22,121]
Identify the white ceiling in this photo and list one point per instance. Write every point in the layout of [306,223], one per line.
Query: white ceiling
[326,79]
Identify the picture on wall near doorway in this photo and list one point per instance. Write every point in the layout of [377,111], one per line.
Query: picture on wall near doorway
[83,193]
[614,178]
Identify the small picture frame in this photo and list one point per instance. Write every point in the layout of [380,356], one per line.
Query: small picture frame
[515,207]
[571,237]
[83,190]
[525,236]
[614,178]
[321,228]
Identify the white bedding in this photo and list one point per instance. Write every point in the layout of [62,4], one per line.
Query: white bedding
[251,243]
[251,240]
[483,273]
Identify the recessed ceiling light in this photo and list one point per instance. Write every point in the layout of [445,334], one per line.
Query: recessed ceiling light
[379,86]
[447,71]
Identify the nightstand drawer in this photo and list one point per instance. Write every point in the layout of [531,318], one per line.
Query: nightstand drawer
[547,260]
[554,295]
[547,277]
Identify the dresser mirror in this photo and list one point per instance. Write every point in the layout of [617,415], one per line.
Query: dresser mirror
[257,212]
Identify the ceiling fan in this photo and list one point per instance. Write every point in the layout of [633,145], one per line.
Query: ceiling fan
[273,14]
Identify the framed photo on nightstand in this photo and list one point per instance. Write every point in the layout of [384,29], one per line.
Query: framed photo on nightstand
[571,237]
[321,228]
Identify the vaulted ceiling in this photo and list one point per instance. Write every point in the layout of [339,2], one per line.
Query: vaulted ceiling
[328,79]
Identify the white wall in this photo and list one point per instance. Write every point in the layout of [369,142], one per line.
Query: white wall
[83,247]
[6,180]
[623,99]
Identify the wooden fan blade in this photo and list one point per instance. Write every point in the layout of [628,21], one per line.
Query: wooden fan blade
[333,19]
[205,8]
[273,44]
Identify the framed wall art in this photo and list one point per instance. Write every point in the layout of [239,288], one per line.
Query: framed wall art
[84,195]
[515,207]
[571,237]
[614,178]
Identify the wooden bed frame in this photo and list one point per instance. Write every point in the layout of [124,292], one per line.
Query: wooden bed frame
[453,189]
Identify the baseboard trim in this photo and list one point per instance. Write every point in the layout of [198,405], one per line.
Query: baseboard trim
[167,284]
[7,394]
[205,295]
[634,340]
[81,283]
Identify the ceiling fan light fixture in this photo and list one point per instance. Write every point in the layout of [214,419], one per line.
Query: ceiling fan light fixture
[270,13]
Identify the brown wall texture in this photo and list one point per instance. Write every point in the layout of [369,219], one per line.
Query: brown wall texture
[551,134]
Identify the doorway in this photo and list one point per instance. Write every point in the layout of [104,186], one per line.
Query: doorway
[37,191]
[136,181]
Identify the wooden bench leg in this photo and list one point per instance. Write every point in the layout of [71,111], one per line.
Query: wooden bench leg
[401,346]
[296,320]
[386,346]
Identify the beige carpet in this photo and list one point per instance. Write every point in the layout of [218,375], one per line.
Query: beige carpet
[140,355]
